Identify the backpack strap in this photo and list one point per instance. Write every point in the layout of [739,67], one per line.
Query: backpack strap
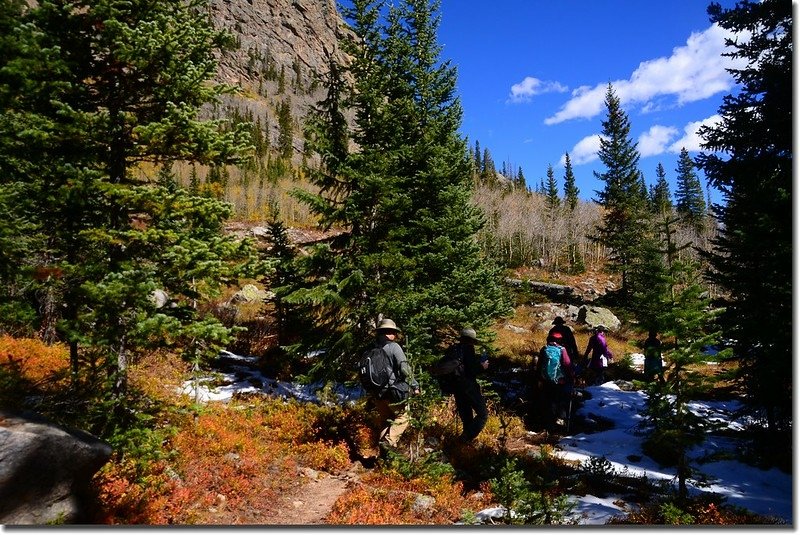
[390,357]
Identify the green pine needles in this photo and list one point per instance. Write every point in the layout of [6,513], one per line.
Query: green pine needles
[398,179]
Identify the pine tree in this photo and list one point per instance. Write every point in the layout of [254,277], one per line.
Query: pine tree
[749,159]
[689,199]
[552,198]
[571,191]
[576,263]
[285,130]
[622,197]
[680,310]
[124,85]
[488,171]
[402,195]
[660,199]
[520,180]
[478,160]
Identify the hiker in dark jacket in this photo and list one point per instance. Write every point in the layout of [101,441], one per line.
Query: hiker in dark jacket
[567,339]
[552,398]
[470,403]
[653,365]
[392,416]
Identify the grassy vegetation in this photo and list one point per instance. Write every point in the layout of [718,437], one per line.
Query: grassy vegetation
[230,463]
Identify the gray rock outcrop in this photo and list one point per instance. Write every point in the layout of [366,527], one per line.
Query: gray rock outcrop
[294,37]
[45,470]
[594,316]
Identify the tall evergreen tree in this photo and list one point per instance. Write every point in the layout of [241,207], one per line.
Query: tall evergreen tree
[750,161]
[488,171]
[478,159]
[687,324]
[553,200]
[520,180]
[622,197]
[402,195]
[571,191]
[285,130]
[660,198]
[124,84]
[689,199]
[575,258]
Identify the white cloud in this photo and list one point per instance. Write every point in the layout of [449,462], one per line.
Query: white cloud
[693,72]
[691,140]
[530,87]
[585,150]
[655,140]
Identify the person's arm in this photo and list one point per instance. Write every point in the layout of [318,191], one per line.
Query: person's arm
[404,368]
[588,348]
[566,363]
[606,351]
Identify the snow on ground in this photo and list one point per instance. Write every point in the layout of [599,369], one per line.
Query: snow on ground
[766,492]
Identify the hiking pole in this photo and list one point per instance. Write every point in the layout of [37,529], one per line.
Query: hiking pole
[569,410]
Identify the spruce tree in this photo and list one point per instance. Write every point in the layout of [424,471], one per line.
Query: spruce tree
[749,159]
[571,191]
[401,194]
[520,180]
[478,159]
[124,85]
[689,198]
[488,171]
[552,198]
[285,130]
[681,312]
[622,198]
[576,263]
[660,198]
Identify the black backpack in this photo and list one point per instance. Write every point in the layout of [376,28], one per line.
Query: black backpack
[376,370]
[449,370]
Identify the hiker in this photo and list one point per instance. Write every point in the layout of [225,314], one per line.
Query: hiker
[555,379]
[392,413]
[601,355]
[567,337]
[470,403]
[653,366]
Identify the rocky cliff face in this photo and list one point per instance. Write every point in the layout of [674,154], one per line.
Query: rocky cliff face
[282,56]
[289,32]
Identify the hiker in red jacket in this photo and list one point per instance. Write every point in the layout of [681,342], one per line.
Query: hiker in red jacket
[567,338]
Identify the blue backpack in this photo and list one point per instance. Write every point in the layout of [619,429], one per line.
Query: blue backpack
[551,369]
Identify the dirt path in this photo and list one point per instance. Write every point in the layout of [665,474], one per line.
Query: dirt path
[314,498]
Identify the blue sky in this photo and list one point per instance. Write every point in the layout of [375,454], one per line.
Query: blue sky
[532,77]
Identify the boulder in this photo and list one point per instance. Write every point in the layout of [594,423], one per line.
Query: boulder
[594,316]
[45,470]
[250,293]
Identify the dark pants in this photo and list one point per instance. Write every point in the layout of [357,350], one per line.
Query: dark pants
[554,403]
[471,407]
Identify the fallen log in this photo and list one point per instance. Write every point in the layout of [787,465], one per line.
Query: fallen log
[546,288]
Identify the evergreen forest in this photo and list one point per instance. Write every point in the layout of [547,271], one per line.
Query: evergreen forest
[130,196]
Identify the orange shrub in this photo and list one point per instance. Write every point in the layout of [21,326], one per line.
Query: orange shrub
[323,456]
[33,358]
